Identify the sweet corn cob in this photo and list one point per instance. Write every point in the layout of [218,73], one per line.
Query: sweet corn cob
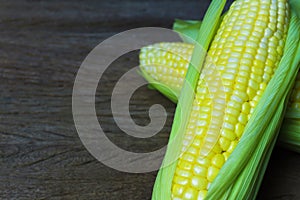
[167,63]
[246,51]
[244,54]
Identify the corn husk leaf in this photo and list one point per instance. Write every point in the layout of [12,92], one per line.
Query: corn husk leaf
[163,183]
[187,29]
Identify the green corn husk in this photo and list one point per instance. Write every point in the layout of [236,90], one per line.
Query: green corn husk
[188,29]
[242,173]
[163,183]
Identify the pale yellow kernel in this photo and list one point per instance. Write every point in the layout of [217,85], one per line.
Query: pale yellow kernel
[241,94]
[232,146]
[199,183]
[216,113]
[252,104]
[259,93]
[239,129]
[227,82]
[231,70]
[192,150]
[203,90]
[268,69]
[226,155]
[246,108]
[229,126]
[262,52]
[205,109]
[229,134]
[200,170]
[191,126]
[217,148]
[279,50]
[256,77]
[232,111]
[262,86]
[180,180]
[243,118]
[203,161]
[206,151]
[273,40]
[202,195]
[249,115]
[245,67]
[218,160]
[189,194]
[228,76]
[230,119]
[227,90]
[241,80]
[224,143]
[202,123]
[256,33]
[258,67]
[251,92]
[212,173]
[240,86]
[249,53]
[218,106]
[256,98]
[197,142]
[203,115]
[183,173]
[268,33]
[185,165]
[188,157]
[177,190]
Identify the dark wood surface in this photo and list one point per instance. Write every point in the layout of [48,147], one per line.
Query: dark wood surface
[42,46]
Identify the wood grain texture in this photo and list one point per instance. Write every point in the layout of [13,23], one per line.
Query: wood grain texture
[42,46]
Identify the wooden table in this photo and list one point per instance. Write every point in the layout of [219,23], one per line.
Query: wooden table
[42,46]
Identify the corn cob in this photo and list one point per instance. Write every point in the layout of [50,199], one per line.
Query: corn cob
[251,49]
[246,51]
[167,63]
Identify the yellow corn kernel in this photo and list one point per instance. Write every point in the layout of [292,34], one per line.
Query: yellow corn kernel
[218,160]
[177,190]
[199,183]
[212,173]
[200,170]
[190,193]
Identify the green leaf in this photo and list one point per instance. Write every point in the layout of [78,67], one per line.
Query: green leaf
[163,183]
[187,29]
